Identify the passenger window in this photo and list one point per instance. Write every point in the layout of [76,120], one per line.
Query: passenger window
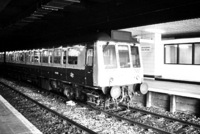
[135,56]
[109,55]
[27,57]
[1,57]
[73,56]
[30,56]
[196,53]
[36,57]
[8,57]
[45,56]
[90,57]
[21,57]
[64,57]
[124,58]
[51,56]
[73,60]
[17,57]
[57,56]
[12,58]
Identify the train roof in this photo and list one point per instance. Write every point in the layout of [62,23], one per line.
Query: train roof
[122,36]
[119,36]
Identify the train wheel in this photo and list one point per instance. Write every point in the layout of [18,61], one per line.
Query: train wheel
[77,92]
[68,93]
[83,97]
[79,95]
[72,95]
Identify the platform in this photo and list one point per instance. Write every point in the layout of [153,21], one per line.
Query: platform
[178,96]
[12,122]
[174,88]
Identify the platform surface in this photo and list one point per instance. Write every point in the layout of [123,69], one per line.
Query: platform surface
[174,88]
[12,122]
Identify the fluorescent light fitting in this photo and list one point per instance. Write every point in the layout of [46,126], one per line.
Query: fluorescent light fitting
[27,21]
[37,15]
[32,17]
[155,30]
[77,1]
[51,7]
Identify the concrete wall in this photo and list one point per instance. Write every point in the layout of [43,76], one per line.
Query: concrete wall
[153,61]
[180,72]
[148,57]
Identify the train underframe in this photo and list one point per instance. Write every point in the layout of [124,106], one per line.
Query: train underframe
[105,97]
[109,97]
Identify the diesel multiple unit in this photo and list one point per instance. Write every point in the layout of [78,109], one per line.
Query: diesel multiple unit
[100,66]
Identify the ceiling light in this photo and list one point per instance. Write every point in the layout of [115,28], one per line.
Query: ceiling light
[155,31]
[78,1]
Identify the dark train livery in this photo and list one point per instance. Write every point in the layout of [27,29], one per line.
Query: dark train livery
[104,66]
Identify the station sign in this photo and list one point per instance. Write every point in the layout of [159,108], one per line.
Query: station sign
[146,48]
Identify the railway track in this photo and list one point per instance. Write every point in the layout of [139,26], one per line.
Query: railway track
[184,124]
[113,113]
[158,123]
[33,107]
[150,122]
[91,118]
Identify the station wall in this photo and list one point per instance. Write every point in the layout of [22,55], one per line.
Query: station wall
[148,57]
[153,67]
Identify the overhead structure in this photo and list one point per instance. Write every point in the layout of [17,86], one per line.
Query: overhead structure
[36,21]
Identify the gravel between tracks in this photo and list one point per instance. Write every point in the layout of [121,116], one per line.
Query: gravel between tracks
[94,120]
[91,119]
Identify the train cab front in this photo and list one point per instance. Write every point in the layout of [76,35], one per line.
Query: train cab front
[119,70]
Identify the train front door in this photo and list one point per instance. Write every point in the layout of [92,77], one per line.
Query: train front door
[89,67]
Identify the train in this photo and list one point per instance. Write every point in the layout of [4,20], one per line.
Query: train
[99,69]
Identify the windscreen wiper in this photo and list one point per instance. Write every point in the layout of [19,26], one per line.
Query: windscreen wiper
[104,48]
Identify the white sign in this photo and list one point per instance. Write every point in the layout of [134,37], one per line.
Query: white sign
[146,48]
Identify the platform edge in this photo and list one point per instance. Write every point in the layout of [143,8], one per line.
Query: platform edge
[27,123]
